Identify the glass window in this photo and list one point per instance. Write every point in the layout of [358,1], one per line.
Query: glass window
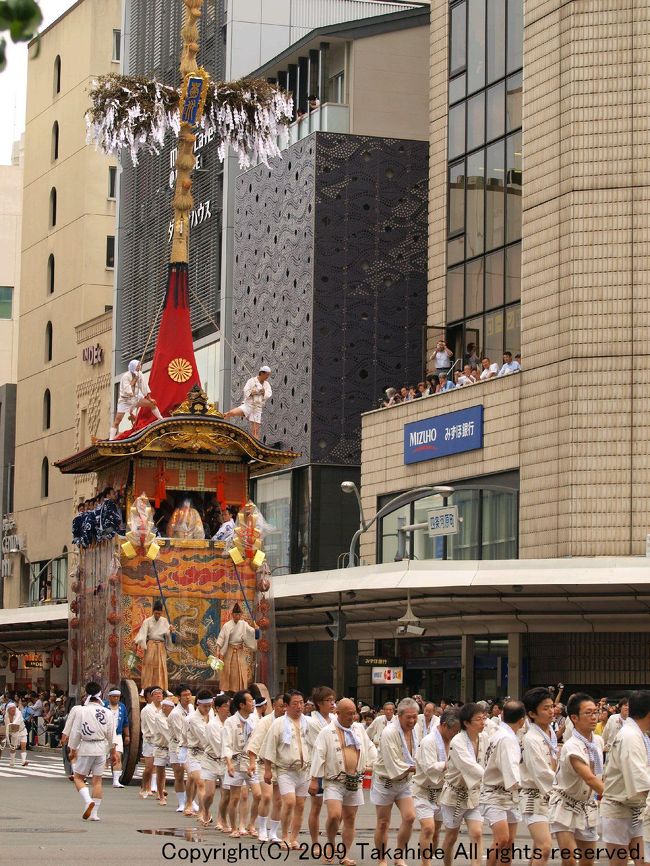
[47,409]
[474,287]
[499,525]
[515,35]
[117,46]
[48,341]
[475,121]
[6,298]
[495,111]
[55,140]
[112,181]
[336,89]
[513,273]
[455,288]
[494,280]
[57,75]
[50,274]
[456,131]
[455,250]
[474,334]
[514,182]
[207,365]
[494,197]
[52,207]
[388,533]
[465,544]
[494,337]
[513,329]
[475,45]
[45,478]
[457,88]
[514,97]
[425,547]
[456,198]
[496,34]
[457,40]
[273,498]
[110,251]
[475,222]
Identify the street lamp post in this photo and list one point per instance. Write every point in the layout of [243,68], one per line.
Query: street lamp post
[401,499]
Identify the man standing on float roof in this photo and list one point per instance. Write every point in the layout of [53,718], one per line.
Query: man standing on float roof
[235,637]
[257,392]
[155,638]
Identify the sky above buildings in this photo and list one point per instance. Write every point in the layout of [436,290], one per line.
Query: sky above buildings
[13,83]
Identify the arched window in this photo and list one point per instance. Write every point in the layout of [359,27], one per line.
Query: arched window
[55,140]
[47,407]
[45,478]
[50,274]
[48,342]
[52,207]
[57,75]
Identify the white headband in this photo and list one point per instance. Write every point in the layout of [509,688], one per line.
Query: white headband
[205,701]
[167,703]
[11,704]
[90,697]
[114,692]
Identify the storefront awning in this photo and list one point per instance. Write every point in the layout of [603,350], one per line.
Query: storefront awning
[33,627]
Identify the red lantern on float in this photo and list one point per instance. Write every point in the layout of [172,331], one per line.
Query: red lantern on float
[113,618]
[263,584]
[57,657]
[13,664]
[112,641]
[263,622]
[263,645]
[74,622]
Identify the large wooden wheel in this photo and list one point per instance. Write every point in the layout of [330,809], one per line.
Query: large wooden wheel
[131,699]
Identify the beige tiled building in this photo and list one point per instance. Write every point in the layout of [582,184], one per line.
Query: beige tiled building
[538,243]
[68,249]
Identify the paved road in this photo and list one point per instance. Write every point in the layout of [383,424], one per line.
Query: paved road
[41,825]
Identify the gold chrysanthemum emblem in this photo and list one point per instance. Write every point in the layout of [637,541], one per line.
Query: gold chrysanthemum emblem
[179,370]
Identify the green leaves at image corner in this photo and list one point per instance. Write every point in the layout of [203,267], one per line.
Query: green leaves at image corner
[21,19]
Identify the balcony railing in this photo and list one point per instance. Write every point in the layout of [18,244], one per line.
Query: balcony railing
[329,117]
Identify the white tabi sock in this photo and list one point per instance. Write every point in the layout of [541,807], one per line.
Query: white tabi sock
[94,815]
[84,793]
[116,775]
[154,785]
[181,796]
[112,433]
[156,413]
[274,826]
[23,757]
[12,758]
[261,823]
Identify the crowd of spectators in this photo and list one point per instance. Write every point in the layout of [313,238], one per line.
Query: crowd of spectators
[44,714]
[448,375]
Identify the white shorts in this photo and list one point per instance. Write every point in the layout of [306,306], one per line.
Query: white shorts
[174,757]
[425,809]
[193,766]
[494,814]
[125,406]
[253,415]
[534,819]
[90,765]
[209,775]
[118,742]
[620,831]
[382,794]
[240,779]
[338,791]
[587,834]
[161,758]
[147,749]
[453,821]
[293,782]
[225,784]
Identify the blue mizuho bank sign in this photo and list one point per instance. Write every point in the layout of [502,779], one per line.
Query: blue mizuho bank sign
[447,434]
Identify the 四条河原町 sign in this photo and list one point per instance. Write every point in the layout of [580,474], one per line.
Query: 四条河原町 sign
[447,434]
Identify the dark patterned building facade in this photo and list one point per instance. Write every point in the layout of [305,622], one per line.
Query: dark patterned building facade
[330,290]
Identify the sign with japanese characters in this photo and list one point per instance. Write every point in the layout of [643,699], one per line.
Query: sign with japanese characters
[443,521]
[387,676]
[443,435]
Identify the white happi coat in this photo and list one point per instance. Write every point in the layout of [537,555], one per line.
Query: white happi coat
[626,775]
[69,722]
[148,722]
[572,801]
[376,728]
[464,774]
[327,755]
[161,734]
[16,729]
[177,724]
[391,763]
[214,753]
[421,728]
[285,757]
[154,629]
[315,724]
[236,740]
[537,772]
[196,733]
[234,634]
[429,768]
[93,731]
[613,725]
[258,736]
[501,777]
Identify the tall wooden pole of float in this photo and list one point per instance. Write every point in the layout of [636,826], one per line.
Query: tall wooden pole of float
[183,199]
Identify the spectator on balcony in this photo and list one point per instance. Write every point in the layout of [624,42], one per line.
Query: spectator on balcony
[444,383]
[509,366]
[488,370]
[433,381]
[413,393]
[518,361]
[392,398]
[467,377]
[314,102]
[471,356]
[423,390]
[300,114]
[404,394]
[442,357]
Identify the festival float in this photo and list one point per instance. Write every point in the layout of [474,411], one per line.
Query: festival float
[150,545]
